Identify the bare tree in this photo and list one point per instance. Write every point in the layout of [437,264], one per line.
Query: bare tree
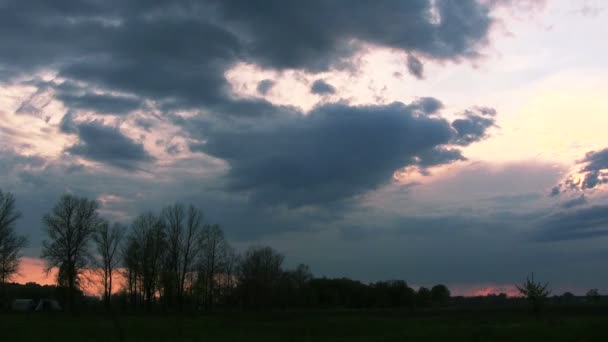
[190,251]
[183,233]
[212,242]
[11,244]
[259,273]
[130,256]
[70,227]
[173,217]
[229,262]
[108,240]
[148,236]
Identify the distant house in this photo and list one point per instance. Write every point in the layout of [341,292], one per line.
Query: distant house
[23,305]
[48,305]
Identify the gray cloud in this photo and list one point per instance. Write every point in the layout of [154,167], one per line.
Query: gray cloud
[592,173]
[415,67]
[575,202]
[317,35]
[583,223]
[474,126]
[67,124]
[332,153]
[179,58]
[264,86]
[101,103]
[107,144]
[595,169]
[320,87]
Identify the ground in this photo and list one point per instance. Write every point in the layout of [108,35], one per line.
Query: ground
[483,325]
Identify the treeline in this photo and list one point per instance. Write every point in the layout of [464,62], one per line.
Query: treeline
[174,260]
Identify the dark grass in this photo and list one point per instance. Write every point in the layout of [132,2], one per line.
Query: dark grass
[445,325]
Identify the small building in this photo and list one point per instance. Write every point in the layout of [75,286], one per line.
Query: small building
[23,305]
[48,305]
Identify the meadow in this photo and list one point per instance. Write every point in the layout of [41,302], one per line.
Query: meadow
[579,324]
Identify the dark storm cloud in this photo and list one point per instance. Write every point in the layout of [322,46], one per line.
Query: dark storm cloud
[107,144]
[101,103]
[332,153]
[177,52]
[264,86]
[583,223]
[320,87]
[415,67]
[438,156]
[316,35]
[474,125]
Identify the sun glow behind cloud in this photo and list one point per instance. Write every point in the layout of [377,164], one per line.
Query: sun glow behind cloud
[34,270]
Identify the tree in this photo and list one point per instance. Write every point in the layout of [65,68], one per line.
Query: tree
[183,231]
[11,244]
[149,237]
[423,297]
[440,294]
[132,272]
[593,296]
[567,297]
[69,227]
[227,282]
[211,245]
[108,240]
[259,274]
[535,292]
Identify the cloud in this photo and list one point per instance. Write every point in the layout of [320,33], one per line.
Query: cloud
[415,67]
[592,172]
[595,169]
[583,223]
[178,59]
[108,145]
[474,126]
[11,161]
[264,86]
[333,153]
[320,87]
[575,202]
[67,124]
[101,103]
[318,35]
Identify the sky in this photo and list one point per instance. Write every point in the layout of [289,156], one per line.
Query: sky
[435,141]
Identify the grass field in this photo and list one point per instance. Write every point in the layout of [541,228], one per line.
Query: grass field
[311,326]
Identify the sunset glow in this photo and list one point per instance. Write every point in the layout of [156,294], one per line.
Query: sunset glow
[438,142]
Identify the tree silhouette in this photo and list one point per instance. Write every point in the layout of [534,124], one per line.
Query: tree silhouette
[535,292]
[440,294]
[11,244]
[259,274]
[148,243]
[211,245]
[593,295]
[108,240]
[183,233]
[69,227]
